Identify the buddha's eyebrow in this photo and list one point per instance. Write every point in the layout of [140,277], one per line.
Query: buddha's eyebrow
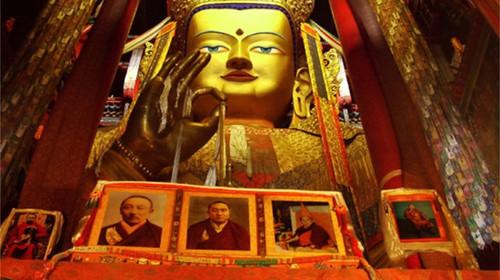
[213,31]
[249,35]
[267,33]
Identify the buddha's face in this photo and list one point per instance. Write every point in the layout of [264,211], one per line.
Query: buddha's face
[252,62]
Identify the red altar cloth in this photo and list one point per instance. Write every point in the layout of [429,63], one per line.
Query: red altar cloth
[27,269]
[436,274]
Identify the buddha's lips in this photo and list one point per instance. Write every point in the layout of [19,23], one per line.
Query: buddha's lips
[239,76]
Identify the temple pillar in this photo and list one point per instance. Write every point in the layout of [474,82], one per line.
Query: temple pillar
[369,96]
[54,180]
[417,163]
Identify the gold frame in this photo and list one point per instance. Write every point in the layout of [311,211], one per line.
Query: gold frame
[134,188]
[418,198]
[179,211]
[252,223]
[269,218]
[55,234]
[397,251]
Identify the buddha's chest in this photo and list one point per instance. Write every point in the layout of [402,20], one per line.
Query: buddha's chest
[266,158]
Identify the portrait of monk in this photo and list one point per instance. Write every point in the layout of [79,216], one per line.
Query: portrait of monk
[310,235]
[218,231]
[307,234]
[134,228]
[416,220]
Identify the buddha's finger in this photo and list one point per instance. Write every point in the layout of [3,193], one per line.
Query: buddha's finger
[181,93]
[198,65]
[182,86]
[152,91]
[169,64]
[175,95]
[179,71]
[143,114]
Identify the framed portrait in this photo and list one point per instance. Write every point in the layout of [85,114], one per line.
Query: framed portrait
[302,225]
[417,218]
[30,233]
[180,223]
[218,223]
[133,217]
[417,221]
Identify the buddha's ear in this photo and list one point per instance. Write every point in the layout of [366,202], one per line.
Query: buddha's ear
[302,95]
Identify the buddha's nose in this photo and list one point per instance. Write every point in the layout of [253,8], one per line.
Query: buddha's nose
[239,63]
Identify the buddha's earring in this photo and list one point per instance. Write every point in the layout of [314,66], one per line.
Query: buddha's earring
[302,94]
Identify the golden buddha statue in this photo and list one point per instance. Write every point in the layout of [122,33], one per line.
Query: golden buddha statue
[245,55]
[243,68]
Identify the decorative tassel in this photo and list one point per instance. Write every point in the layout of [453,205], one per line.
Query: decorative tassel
[341,212]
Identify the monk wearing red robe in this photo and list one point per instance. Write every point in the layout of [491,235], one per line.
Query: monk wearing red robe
[218,232]
[417,218]
[134,229]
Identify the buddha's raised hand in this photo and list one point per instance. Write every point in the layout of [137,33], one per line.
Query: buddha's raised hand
[149,141]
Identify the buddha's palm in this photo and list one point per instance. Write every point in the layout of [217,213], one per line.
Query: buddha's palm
[153,129]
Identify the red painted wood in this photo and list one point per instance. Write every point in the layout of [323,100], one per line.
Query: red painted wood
[417,162]
[56,173]
[490,10]
[369,95]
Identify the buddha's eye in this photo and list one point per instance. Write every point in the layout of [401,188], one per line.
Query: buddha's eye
[266,50]
[213,49]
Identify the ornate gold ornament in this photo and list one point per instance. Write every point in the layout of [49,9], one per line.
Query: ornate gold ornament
[302,94]
[332,67]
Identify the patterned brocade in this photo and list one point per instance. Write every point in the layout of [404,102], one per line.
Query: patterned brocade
[471,190]
[298,154]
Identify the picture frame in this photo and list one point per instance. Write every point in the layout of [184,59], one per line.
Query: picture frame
[135,217]
[417,218]
[326,223]
[30,233]
[444,234]
[238,237]
[207,225]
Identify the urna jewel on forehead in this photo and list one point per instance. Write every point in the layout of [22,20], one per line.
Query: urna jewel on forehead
[181,11]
